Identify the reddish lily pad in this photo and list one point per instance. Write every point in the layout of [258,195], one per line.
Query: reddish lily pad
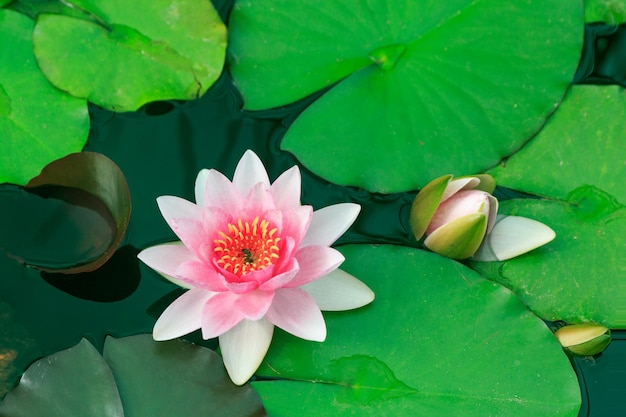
[38,123]
[122,55]
[408,81]
[87,181]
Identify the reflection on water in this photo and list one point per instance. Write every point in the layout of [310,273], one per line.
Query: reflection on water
[53,226]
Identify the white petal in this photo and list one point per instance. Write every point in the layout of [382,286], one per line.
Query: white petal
[286,189]
[166,258]
[200,187]
[339,291]
[244,347]
[178,208]
[459,184]
[329,223]
[183,316]
[249,171]
[512,236]
[220,192]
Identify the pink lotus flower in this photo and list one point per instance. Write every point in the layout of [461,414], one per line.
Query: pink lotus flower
[252,258]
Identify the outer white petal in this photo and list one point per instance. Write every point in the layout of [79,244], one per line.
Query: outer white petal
[178,208]
[183,316]
[200,187]
[512,236]
[249,171]
[329,223]
[166,258]
[286,189]
[459,184]
[220,192]
[244,347]
[339,291]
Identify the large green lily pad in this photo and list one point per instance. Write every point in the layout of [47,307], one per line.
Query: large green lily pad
[137,377]
[38,123]
[122,55]
[438,340]
[411,80]
[581,275]
[608,11]
[582,144]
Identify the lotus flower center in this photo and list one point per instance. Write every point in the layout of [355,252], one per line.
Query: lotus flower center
[247,246]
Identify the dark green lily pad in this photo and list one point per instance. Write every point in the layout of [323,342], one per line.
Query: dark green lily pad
[121,55]
[581,145]
[580,276]
[136,377]
[438,340]
[38,123]
[79,188]
[411,80]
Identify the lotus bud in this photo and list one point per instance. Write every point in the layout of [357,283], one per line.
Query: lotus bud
[454,214]
[585,339]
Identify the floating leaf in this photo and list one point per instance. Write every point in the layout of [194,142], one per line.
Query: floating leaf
[38,123]
[439,340]
[411,80]
[148,378]
[582,144]
[73,382]
[121,56]
[175,379]
[608,11]
[82,187]
[580,276]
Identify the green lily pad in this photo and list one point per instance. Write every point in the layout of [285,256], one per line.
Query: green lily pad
[608,11]
[582,144]
[121,56]
[580,276]
[136,377]
[38,123]
[411,80]
[438,340]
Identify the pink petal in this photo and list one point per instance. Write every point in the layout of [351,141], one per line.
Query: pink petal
[177,208]
[200,275]
[296,222]
[220,192]
[290,269]
[462,203]
[328,223]
[243,348]
[200,187]
[226,309]
[219,315]
[191,233]
[294,311]
[249,172]
[286,189]
[315,262]
[339,291]
[183,316]
[258,200]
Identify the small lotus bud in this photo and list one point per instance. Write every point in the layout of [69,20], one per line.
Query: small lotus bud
[454,215]
[585,339]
